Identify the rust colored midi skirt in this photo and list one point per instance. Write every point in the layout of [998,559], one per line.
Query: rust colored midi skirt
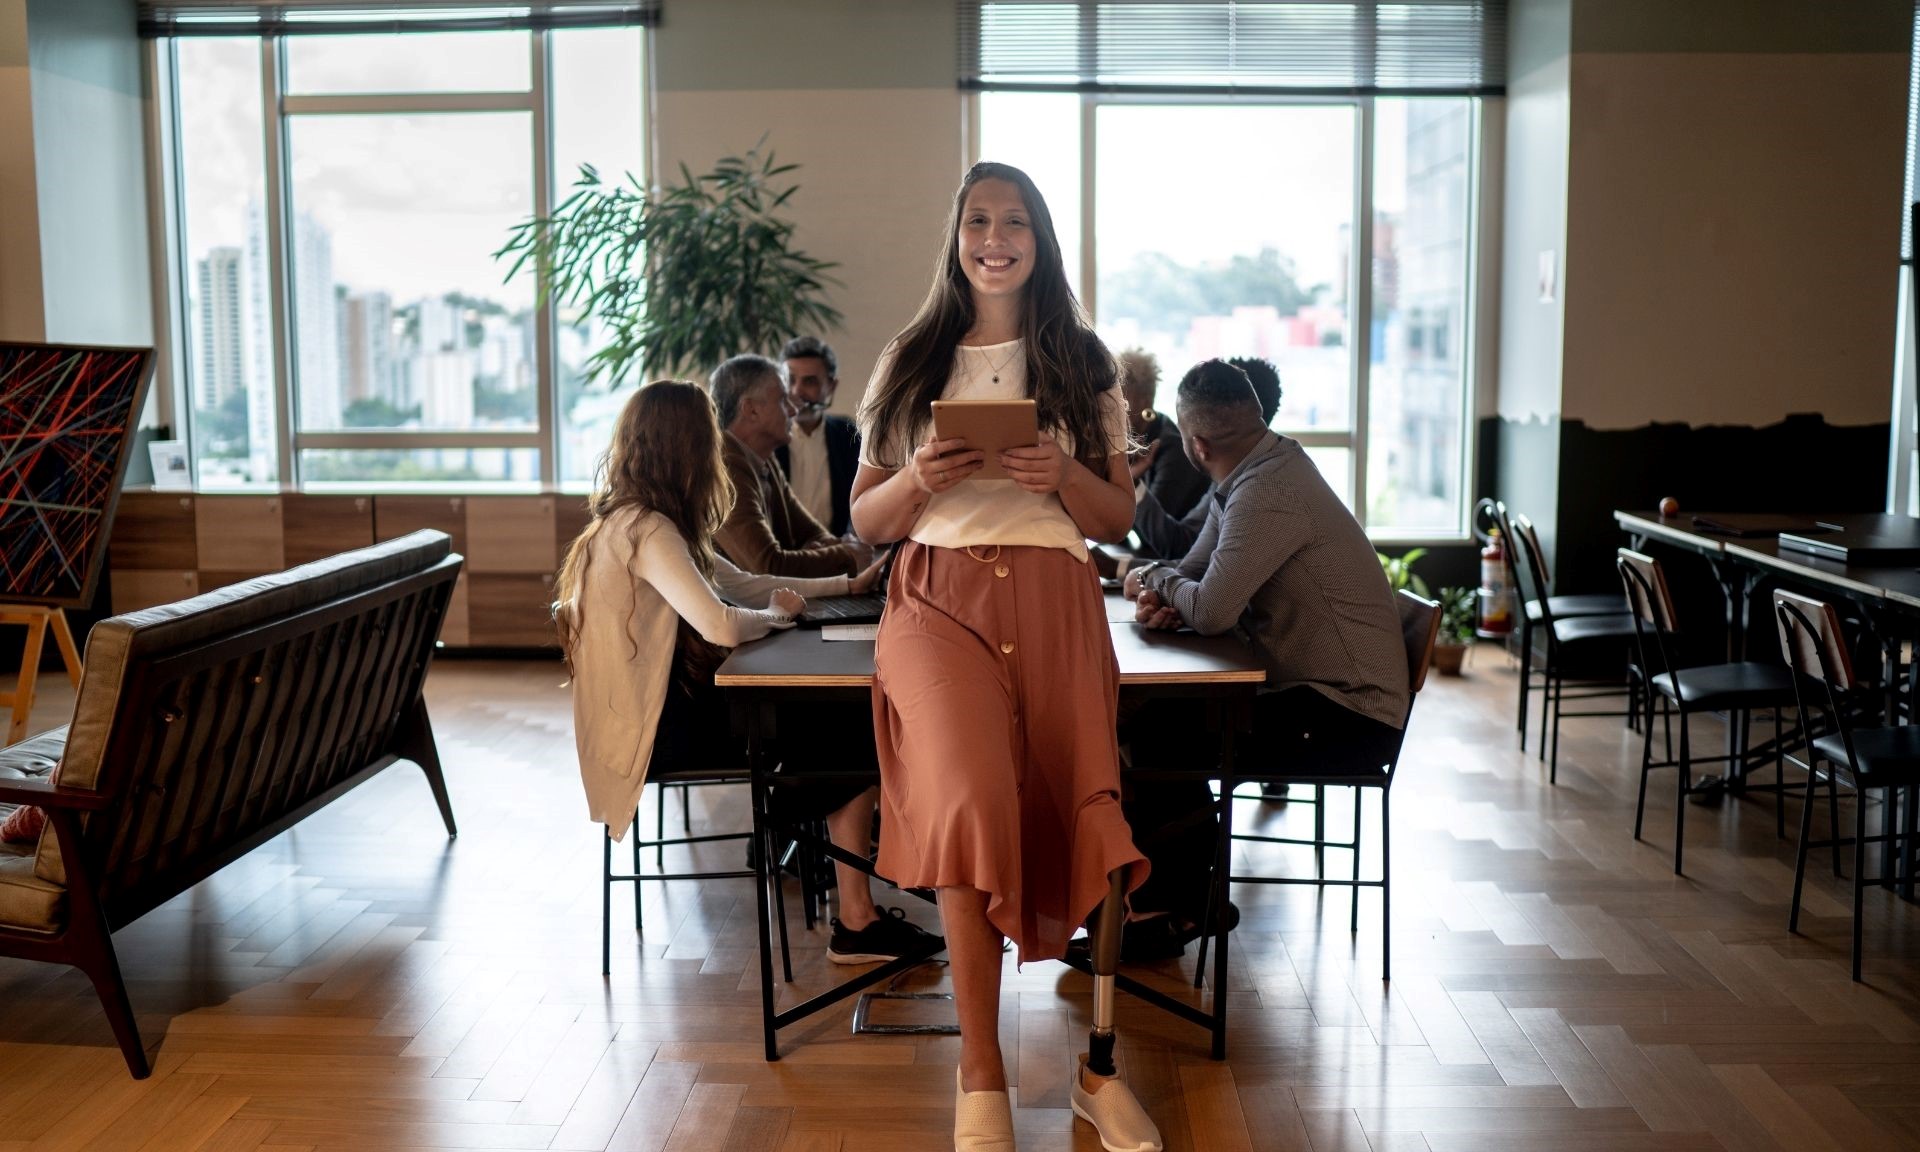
[994,694]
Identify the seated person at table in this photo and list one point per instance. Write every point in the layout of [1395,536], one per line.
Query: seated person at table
[1161,472]
[1166,534]
[643,625]
[768,530]
[1281,563]
[824,455]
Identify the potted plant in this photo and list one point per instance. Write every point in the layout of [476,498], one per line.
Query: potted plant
[681,277]
[1456,630]
[1400,573]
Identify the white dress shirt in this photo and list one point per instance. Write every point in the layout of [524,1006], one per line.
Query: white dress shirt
[812,480]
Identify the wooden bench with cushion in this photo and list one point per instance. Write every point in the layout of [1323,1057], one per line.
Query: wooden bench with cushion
[205,728]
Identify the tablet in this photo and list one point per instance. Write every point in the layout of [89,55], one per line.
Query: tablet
[992,426]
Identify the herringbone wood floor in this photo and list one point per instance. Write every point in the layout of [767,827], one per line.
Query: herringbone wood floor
[362,983]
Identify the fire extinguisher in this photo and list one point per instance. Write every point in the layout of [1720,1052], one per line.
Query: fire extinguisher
[1495,597]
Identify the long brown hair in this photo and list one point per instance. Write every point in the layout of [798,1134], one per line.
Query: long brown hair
[1067,366]
[665,457]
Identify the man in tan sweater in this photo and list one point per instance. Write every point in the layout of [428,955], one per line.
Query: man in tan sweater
[769,531]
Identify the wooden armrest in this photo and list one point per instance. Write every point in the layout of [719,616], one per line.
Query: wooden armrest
[46,794]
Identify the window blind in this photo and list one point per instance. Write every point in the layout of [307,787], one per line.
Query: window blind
[1281,47]
[338,17]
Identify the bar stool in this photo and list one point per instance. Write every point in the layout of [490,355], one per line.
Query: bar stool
[1737,689]
[1534,611]
[1864,759]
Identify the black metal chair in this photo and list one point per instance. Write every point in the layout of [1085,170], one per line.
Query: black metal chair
[1570,652]
[1737,689]
[1534,611]
[1419,625]
[662,777]
[1864,759]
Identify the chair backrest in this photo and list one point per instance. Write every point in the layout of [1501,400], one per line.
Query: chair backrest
[1810,636]
[1419,627]
[1529,565]
[1647,594]
[1542,575]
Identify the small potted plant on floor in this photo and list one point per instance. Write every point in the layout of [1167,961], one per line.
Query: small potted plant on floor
[1456,630]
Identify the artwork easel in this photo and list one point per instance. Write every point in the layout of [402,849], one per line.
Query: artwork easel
[37,618]
[67,418]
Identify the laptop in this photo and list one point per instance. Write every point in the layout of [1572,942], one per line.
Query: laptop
[1755,525]
[864,608]
[1861,539]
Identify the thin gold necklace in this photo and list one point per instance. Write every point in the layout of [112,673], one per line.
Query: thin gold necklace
[1001,366]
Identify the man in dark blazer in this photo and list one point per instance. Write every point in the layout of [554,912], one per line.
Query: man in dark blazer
[821,459]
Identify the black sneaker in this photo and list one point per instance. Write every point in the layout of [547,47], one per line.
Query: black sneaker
[888,938]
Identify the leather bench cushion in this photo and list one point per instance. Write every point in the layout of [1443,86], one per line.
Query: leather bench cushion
[27,901]
[118,643]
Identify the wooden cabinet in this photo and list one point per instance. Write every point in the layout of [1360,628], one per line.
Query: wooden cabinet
[510,534]
[134,589]
[317,527]
[153,531]
[167,546]
[239,534]
[398,515]
[453,629]
[570,518]
[510,610]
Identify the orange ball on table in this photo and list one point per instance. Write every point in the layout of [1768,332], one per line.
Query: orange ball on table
[1669,507]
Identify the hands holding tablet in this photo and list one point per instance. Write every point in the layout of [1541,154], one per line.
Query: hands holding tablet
[940,464]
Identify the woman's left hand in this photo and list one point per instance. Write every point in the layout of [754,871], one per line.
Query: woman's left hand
[1040,469]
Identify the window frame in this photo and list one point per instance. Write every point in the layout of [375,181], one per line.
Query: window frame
[1359,290]
[279,107]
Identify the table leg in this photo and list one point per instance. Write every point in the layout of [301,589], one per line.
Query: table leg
[756,743]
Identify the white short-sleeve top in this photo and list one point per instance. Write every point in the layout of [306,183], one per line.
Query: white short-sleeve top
[984,512]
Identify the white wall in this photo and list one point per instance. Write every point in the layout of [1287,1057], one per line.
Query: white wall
[1735,224]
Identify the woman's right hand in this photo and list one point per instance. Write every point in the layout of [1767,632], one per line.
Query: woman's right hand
[868,577]
[940,464]
[788,601]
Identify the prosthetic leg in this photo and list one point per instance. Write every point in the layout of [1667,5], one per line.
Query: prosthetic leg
[1113,1111]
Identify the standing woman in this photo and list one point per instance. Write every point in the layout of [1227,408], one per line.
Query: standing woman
[995,684]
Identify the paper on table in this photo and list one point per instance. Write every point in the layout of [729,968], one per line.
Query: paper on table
[850,632]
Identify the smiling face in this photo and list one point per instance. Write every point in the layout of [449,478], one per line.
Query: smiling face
[995,243]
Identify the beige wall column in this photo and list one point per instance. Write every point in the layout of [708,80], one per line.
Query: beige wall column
[861,95]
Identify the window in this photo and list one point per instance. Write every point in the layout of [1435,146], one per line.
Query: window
[1223,229]
[338,199]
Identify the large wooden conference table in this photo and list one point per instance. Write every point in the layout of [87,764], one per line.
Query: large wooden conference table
[799,665]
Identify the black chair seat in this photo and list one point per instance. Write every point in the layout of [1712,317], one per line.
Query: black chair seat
[1736,686]
[1883,757]
[1571,607]
[1582,628]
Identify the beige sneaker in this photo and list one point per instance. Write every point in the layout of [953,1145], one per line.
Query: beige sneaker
[1123,1125]
[983,1121]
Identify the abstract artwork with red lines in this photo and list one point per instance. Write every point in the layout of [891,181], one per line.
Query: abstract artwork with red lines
[66,421]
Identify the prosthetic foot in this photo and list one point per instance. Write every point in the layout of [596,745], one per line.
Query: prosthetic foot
[1110,1107]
